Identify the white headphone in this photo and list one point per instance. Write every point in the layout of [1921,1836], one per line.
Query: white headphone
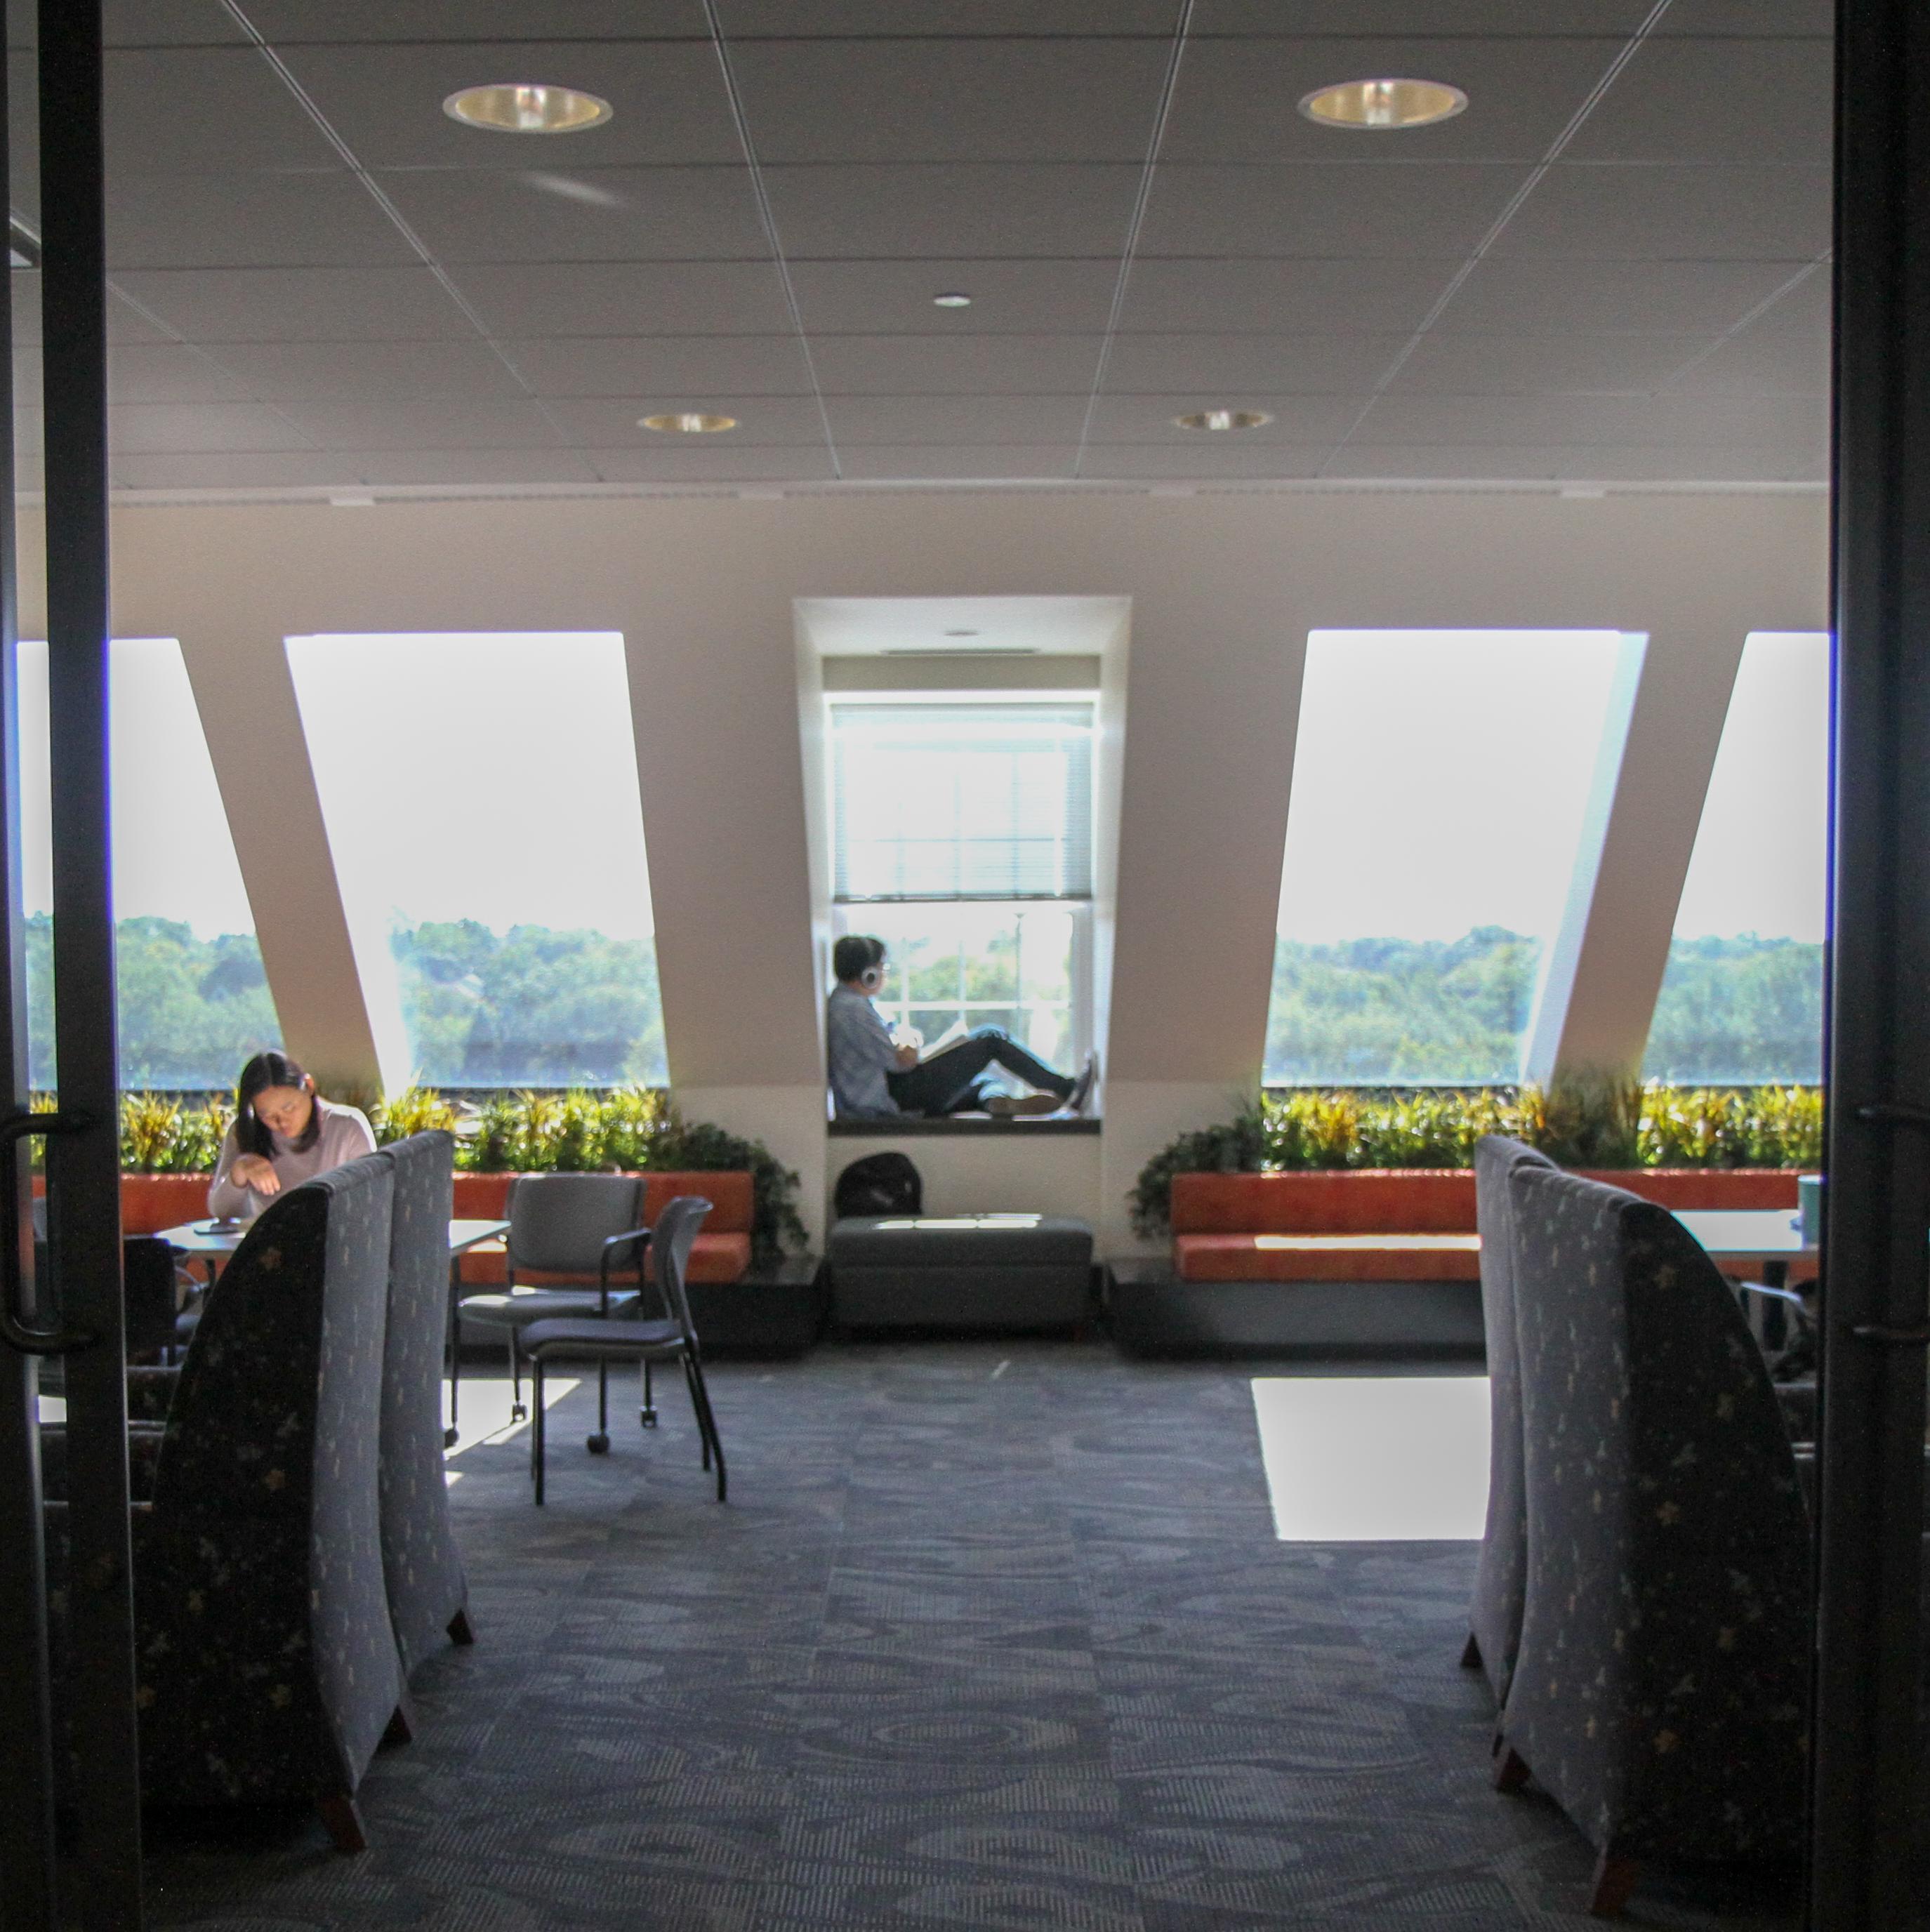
[871,978]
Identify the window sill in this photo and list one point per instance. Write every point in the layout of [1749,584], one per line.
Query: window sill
[915,1126]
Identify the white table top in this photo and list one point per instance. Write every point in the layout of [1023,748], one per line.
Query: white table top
[1747,1233]
[209,1238]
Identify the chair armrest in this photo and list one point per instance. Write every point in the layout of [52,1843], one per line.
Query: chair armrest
[1788,1294]
[607,1259]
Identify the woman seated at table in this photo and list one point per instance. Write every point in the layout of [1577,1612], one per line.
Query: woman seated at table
[284,1133]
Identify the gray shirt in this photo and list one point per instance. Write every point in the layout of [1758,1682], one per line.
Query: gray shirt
[857,1043]
[346,1135]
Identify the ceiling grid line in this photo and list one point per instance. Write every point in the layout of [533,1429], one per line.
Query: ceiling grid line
[377,193]
[766,215]
[1517,201]
[1162,114]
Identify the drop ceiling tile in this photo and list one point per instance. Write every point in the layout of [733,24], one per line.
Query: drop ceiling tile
[1148,420]
[159,23]
[737,365]
[294,470]
[1739,100]
[622,298]
[957,365]
[1226,460]
[298,304]
[857,213]
[872,463]
[1238,100]
[465,465]
[1664,421]
[295,21]
[1312,295]
[1534,18]
[799,19]
[806,463]
[1760,362]
[249,219]
[123,324]
[165,372]
[955,419]
[30,476]
[931,100]
[668,100]
[1778,18]
[1526,295]
[1343,209]
[466,214]
[28,425]
[288,372]
[1283,365]
[1568,364]
[605,423]
[180,110]
[1804,305]
[1578,463]
[1023,297]
[427,425]
[1706,213]
[157,429]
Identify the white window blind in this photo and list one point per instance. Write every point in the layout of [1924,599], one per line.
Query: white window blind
[962,801]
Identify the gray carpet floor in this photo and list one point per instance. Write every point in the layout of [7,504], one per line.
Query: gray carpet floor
[990,1634]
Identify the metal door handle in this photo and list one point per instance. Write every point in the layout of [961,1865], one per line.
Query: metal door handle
[1891,1338]
[1888,1114]
[15,1330]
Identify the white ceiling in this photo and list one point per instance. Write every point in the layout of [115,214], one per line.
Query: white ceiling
[1612,268]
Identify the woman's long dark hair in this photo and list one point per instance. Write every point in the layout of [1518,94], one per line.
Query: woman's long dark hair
[266,1070]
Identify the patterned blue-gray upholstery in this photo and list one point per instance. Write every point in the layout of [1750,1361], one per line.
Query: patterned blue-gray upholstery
[267,1664]
[1659,1693]
[1494,1614]
[427,1589]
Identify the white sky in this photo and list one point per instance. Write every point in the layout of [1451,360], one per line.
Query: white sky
[485,777]
[173,858]
[1761,855]
[1441,780]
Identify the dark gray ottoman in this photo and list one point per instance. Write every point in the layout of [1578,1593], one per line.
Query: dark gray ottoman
[961,1271]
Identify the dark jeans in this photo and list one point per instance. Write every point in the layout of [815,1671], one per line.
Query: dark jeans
[948,1083]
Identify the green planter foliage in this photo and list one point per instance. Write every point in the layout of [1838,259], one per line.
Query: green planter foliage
[1588,1122]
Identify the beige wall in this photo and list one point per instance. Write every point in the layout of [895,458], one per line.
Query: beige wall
[1224,588]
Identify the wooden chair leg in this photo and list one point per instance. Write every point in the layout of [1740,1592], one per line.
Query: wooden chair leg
[1471,1653]
[461,1630]
[1510,1769]
[344,1821]
[402,1723]
[1616,1876]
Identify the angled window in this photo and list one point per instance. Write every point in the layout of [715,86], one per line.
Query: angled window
[1742,1000]
[480,795]
[194,1003]
[962,836]
[1440,783]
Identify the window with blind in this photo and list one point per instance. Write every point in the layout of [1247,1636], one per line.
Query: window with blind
[961,837]
[952,801]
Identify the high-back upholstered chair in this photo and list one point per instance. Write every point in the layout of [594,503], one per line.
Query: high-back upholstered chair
[428,1592]
[585,1229]
[1494,1616]
[1660,1691]
[268,1670]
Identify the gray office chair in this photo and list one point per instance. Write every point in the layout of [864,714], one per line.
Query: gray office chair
[669,1337]
[585,1226]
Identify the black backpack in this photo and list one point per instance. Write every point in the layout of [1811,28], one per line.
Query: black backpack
[881,1183]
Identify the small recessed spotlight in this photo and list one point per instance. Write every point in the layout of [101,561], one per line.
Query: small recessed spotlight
[687,422]
[952,298]
[1384,104]
[1223,419]
[961,633]
[516,108]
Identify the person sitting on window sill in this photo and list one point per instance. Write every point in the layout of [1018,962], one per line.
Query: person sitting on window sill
[284,1133]
[874,1078]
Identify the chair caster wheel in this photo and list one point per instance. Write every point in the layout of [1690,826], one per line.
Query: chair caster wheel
[451,1437]
[647,1417]
[597,1445]
[519,1413]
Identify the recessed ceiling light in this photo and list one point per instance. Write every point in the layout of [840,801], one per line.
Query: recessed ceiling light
[687,422]
[1223,419]
[952,298]
[515,108]
[961,633]
[1384,104]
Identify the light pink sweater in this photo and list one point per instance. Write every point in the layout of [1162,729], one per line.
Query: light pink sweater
[346,1135]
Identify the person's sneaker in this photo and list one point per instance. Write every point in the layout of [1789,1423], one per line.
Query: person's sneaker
[1003,1106]
[1075,1103]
